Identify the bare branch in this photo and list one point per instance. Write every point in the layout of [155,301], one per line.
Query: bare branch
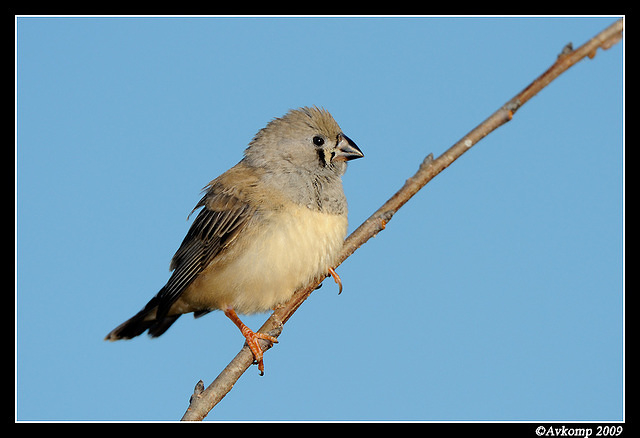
[202,401]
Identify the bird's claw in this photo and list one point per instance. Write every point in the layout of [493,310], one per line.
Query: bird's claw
[252,339]
[336,278]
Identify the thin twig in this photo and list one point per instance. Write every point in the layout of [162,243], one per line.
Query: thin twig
[203,401]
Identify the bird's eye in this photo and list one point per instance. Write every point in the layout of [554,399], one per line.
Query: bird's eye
[318,141]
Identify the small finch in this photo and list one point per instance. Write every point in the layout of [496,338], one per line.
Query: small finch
[268,226]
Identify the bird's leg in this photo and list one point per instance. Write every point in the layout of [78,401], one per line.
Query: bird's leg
[251,337]
[336,278]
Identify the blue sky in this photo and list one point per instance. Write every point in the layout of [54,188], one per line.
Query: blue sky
[495,294]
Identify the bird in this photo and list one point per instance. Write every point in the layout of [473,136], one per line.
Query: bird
[269,225]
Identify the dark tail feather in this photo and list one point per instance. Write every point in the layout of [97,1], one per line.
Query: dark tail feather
[141,321]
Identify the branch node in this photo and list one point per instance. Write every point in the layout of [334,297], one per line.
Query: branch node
[427,161]
[512,106]
[277,330]
[386,216]
[566,50]
[197,391]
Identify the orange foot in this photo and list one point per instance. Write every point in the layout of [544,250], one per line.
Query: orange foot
[336,278]
[251,337]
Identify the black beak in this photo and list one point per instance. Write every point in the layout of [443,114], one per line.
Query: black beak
[346,149]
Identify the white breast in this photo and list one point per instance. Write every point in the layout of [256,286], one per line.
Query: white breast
[290,251]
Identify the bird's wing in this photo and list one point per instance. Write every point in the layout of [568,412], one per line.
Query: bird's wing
[224,215]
